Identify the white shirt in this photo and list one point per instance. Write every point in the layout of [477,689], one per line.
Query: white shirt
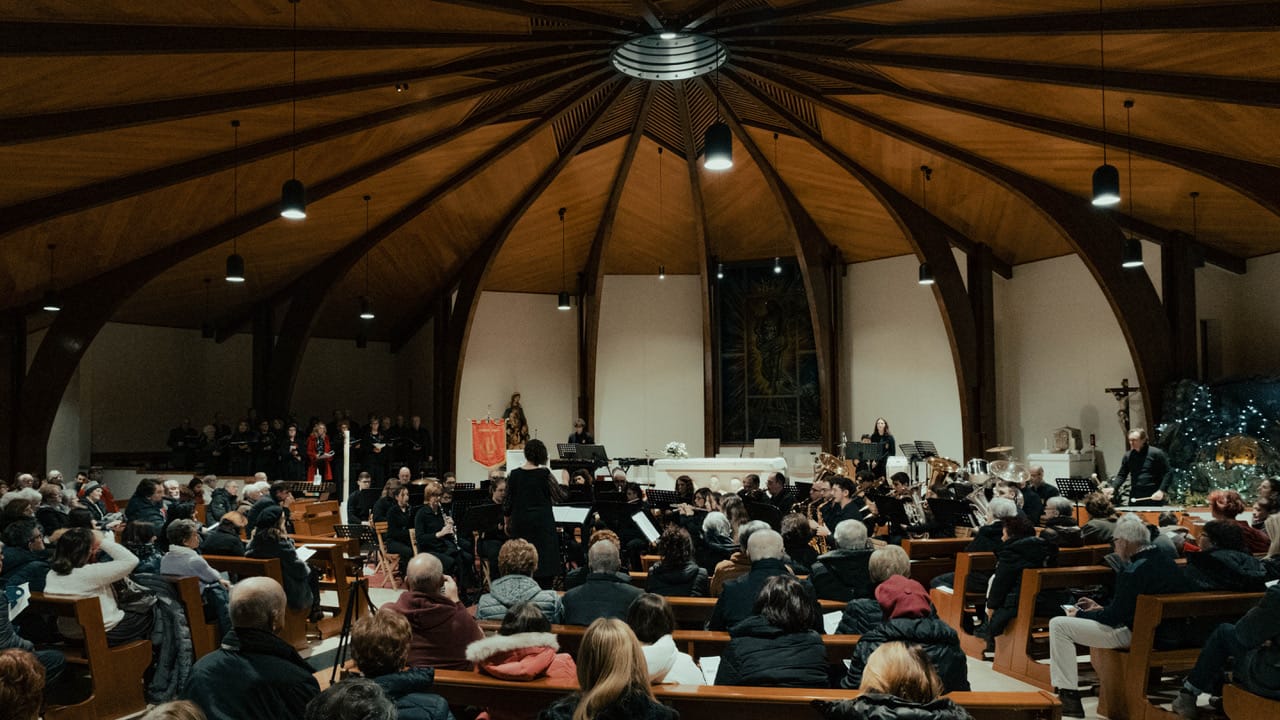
[94,580]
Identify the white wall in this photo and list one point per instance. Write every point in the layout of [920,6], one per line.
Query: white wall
[897,357]
[519,342]
[649,380]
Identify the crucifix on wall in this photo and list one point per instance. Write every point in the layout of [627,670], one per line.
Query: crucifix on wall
[1121,395]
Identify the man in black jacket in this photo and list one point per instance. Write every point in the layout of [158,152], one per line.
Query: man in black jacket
[737,600]
[1251,642]
[254,673]
[605,592]
[1147,469]
[1149,572]
[842,574]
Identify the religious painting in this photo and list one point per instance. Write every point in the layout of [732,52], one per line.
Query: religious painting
[767,357]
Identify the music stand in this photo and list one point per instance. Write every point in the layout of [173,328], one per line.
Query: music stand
[860,452]
[567,450]
[480,518]
[663,498]
[592,452]
[766,512]
[616,515]
[951,513]
[1074,489]
[363,533]
[891,509]
[926,448]
[611,496]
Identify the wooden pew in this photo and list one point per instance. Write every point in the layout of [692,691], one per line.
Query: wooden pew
[204,635]
[331,558]
[693,613]
[1123,674]
[295,621]
[316,518]
[1240,703]
[932,557]
[1026,639]
[742,703]
[116,672]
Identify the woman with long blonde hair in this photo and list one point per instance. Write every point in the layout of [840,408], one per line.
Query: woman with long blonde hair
[613,679]
[899,681]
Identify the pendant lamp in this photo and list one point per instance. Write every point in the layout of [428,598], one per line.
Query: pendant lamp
[562,300]
[50,302]
[1131,251]
[235,263]
[366,308]
[293,195]
[1106,179]
[926,274]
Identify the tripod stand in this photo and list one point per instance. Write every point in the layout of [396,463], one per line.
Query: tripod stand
[359,589]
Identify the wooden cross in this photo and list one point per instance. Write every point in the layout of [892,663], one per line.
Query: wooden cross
[1121,395]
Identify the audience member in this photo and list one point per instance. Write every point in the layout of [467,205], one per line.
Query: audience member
[355,698]
[51,513]
[738,600]
[270,540]
[776,645]
[71,573]
[1060,518]
[1102,520]
[175,710]
[717,543]
[442,626]
[898,683]
[516,562]
[989,538]
[842,573]
[254,673]
[676,574]
[25,558]
[796,537]
[1222,563]
[524,649]
[279,496]
[222,500]
[1022,550]
[910,618]
[22,684]
[1226,505]
[380,647]
[1148,572]
[140,538]
[147,503]
[17,505]
[652,620]
[578,575]
[606,593]
[739,563]
[1253,642]
[861,614]
[183,561]
[91,501]
[52,660]
[612,677]
[225,538]
[250,496]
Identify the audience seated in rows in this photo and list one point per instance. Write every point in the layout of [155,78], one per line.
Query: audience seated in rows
[1253,643]
[51,660]
[606,592]
[776,645]
[269,541]
[862,613]
[1059,520]
[899,683]
[676,574]
[718,543]
[1102,520]
[909,617]
[1022,550]
[516,562]
[25,558]
[22,682]
[1225,506]
[612,677]
[842,573]
[1222,563]
[737,602]
[739,563]
[651,619]
[524,649]
[254,673]
[72,573]
[225,538]
[380,647]
[578,575]
[182,560]
[442,626]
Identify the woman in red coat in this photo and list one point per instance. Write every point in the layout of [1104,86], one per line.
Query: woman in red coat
[319,454]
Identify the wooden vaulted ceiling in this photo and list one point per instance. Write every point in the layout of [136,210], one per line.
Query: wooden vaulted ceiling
[117,145]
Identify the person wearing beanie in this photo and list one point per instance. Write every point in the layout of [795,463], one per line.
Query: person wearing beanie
[909,617]
[301,586]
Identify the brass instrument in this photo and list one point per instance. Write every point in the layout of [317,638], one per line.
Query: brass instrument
[811,508]
[1010,471]
[827,465]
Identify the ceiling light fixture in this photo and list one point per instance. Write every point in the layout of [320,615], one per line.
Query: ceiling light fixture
[719,271]
[51,303]
[293,195]
[1131,252]
[1106,179]
[235,263]
[926,274]
[562,300]
[662,272]
[717,143]
[366,308]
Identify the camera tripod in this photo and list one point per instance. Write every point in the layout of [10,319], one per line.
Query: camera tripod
[359,587]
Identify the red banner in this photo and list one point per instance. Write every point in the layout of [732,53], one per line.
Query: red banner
[488,442]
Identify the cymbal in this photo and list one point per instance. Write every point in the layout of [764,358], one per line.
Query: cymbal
[1000,449]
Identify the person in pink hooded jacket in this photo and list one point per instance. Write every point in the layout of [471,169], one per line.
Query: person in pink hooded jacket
[524,649]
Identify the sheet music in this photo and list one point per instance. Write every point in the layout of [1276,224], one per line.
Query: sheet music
[305,553]
[709,665]
[570,514]
[643,522]
[831,621]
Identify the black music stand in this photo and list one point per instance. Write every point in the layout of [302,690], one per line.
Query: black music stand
[592,452]
[951,513]
[892,509]
[611,496]
[766,512]
[1074,489]
[663,498]
[926,448]
[480,517]
[616,515]
[363,533]
[567,450]
[860,451]
[913,456]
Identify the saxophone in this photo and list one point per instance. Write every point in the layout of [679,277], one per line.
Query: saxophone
[811,509]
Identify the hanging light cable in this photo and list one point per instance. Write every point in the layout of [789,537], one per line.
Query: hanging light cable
[777,257]
[717,143]
[51,303]
[235,263]
[562,300]
[366,307]
[293,195]
[662,269]
[1195,220]
[926,274]
[1106,179]
[1131,251]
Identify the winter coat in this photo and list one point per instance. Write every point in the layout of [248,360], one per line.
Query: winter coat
[253,675]
[602,595]
[223,540]
[510,590]
[1098,531]
[687,581]
[297,588]
[407,690]
[667,665]
[738,600]
[1225,570]
[713,550]
[761,654]
[1066,533]
[25,566]
[842,575]
[1011,560]
[442,629]
[860,615]
[221,502]
[630,707]
[737,565]
[523,657]
[939,641]
[170,639]
[877,706]
[141,509]
[1259,669]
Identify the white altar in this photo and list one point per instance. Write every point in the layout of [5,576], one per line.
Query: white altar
[1063,465]
[702,470]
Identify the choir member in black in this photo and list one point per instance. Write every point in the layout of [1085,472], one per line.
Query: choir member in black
[580,436]
[417,444]
[212,459]
[884,446]
[266,453]
[438,535]
[375,452]
[183,442]
[390,435]
[240,448]
[531,492]
[399,520]
[357,509]
[221,428]
[292,455]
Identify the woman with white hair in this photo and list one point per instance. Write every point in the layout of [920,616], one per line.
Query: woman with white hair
[717,541]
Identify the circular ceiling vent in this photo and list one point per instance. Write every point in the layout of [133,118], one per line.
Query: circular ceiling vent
[669,56]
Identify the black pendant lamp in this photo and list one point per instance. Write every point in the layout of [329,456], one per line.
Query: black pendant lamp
[1106,179]
[366,308]
[293,195]
[50,302]
[1131,251]
[717,143]
[235,263]
[925,275]
[562,300]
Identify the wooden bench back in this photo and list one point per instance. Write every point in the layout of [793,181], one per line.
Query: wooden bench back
[204,635]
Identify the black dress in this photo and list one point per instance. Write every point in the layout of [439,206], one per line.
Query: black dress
[529,499]
[884,450]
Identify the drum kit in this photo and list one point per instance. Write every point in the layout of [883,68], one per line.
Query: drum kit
[977,475]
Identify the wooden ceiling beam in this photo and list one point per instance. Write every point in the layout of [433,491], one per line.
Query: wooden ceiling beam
[1208,88]
[927,234]
[593,271]
[710,338]
[1256,181]
[652,15]
[73,200]
[1244,17]
[1164,236]
[555,13]
[1093,234]
[48,39]
[47,126]
[753,18]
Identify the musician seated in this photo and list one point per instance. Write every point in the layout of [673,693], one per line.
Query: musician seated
[491,542]
[736,602]
[606,593]
[676,574]
[989,538]
[751,488]
[863,613]
[516,562]
[437,535]
[1060,526]
[357,509]
[1011,491]
[842,573]
[777,490]
[797,535]
[739,563]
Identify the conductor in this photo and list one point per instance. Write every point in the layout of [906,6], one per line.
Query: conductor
[1147,468]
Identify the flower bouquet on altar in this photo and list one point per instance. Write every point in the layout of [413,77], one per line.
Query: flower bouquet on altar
[676,450]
